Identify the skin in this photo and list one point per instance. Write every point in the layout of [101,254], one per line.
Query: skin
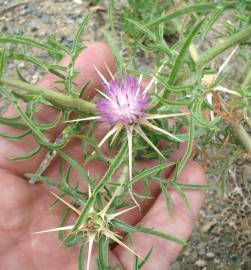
[23,205]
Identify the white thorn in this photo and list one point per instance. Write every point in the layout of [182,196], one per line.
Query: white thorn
[114,238]
[209,97]
[101,76]
[83,119]
[112,216]
[110,73]
[226,62]
[120,126]
[55,229]
[66,203]
[91,240]
[150,125]
[108,98]
[129,139]
[134,200]
[159,116]
[154,77]
[224,89]
[139,82]
[143,135]
[108,135]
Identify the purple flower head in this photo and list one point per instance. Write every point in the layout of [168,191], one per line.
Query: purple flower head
[123,101]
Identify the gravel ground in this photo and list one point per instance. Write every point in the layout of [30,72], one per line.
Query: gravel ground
[221,238]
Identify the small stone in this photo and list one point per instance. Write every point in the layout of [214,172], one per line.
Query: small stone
[34,29]
[176,266]
[30,8]
[202,252]
[200,263]
[208,226]
[21,65]
[79,2]
[66,41]
[45,18]
[210,254]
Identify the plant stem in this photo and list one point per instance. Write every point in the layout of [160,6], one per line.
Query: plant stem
[243,136]
[55,97]
[238,129]
[231,41]
[247,81]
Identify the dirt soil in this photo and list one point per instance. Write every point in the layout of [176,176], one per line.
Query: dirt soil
[222,235]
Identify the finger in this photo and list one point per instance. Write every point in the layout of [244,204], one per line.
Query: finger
[179,224]
[95,54]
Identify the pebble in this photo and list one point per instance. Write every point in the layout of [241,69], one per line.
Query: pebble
[66,41]
[79,2]
[200,263]
[208,226]
[176,266]
[34,29]
[30,8]
[21,65]
[210,254]
[202,252]
[45,18]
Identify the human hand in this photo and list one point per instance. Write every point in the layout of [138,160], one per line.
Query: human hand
[23,205]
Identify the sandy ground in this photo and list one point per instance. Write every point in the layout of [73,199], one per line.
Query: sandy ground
[221,237]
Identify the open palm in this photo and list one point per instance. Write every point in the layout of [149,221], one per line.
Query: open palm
[22,206]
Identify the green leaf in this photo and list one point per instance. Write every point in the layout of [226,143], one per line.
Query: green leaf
[55,44]
[136,263]
[76,166]
[201,7]
[167,198]
[217,13]
[182,195]
[161,235]
[52,124]
[2,61]
[146,258]
[148,172]
[139,228]
[75,46]
[116,51]
[181,163]
[183,50]
[103,252]
[28,155]
[17,137]
[115,164]
[143,29]
[12,122]
[81,257]
[192,186]
[20,75]
[42,139]
[222,46]
[27,41]
[61,234]
[43,179]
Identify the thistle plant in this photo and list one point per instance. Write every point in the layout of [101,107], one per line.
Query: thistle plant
[113,150]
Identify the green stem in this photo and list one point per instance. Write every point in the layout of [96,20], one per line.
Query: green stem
[242,135]
[238,129]
[247,81]
[230,42]
[55,97]
[201,7]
